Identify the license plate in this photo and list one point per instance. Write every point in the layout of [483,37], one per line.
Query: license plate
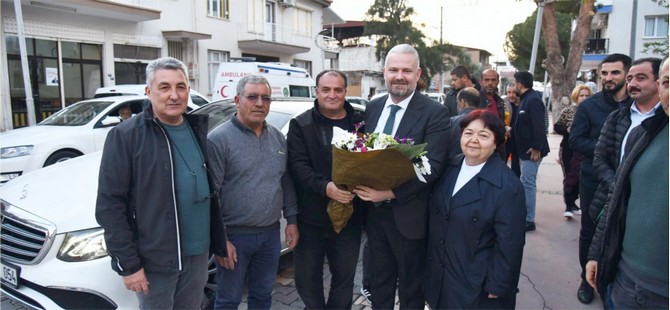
[10,274]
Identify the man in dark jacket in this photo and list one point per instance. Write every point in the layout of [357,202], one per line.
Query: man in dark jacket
[489,93]
[586,127]
[622,258]
[310,162]
[460,78]
[468,101]
[530,139]
[154,196]
[617,128]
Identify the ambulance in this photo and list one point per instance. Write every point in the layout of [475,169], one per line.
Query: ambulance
[285,80]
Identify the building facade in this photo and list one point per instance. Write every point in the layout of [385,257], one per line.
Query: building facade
[625,26]
[75,46]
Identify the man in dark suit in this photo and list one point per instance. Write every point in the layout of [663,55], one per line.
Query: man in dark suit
[468,100]
[397,219]
[530,139]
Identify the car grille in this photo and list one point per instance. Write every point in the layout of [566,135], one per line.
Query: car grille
[25,237]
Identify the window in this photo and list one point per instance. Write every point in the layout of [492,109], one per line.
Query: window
[303,22]
[305,64]
[176,49]
[218,9]
[656,26]
[214,58]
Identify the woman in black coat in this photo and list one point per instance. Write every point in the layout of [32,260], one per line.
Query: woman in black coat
[477,224]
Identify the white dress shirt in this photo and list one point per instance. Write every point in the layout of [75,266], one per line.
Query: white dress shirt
[386,111]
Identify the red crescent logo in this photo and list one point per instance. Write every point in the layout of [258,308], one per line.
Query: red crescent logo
[221,91]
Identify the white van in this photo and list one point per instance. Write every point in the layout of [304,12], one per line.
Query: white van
[285,80]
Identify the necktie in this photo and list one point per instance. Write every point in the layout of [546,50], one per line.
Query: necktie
[388,128]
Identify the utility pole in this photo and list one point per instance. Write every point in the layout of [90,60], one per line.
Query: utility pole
[536,37]
[441,89]
[30,102]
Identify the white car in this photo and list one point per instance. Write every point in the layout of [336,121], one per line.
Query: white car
[53,251]
[78,129]
[439,97]
[196,99]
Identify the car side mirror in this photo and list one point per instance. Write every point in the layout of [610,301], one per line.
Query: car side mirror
[111,121]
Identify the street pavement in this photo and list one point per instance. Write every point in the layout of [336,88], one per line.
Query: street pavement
[549,272]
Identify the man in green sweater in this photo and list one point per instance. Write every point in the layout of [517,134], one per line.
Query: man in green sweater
[629,253]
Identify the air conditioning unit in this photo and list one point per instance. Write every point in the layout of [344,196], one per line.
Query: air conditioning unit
[287,3]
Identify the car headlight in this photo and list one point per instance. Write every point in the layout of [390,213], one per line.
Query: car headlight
[16,151]
[83,245]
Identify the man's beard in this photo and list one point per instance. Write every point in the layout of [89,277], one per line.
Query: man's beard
[617,88]
[399,92]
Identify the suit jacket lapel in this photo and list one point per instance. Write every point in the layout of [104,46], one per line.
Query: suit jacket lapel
[411,116]
[374,112]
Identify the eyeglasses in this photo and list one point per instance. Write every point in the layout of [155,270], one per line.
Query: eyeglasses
[254,98]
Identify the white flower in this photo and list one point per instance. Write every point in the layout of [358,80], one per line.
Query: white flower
[343,139]
[423,166]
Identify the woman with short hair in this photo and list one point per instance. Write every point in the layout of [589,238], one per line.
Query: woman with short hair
[476,224]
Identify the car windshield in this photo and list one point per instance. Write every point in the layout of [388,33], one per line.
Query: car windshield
[77,114]
[219,113]
[278,119]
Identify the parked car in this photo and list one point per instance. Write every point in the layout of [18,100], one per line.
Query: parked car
[377,95]
[196,99]
[357,100]
[53,251]
[78,129]
[439,97]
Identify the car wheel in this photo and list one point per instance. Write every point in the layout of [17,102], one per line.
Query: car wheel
[210,288]
[60,156]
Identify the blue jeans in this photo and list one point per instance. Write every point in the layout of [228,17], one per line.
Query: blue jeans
[529,180]
[179,289]
[342,253]
[258,260]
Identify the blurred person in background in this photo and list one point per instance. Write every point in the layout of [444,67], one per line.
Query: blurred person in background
[570,160]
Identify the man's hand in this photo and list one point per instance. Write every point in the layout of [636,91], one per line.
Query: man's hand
[591,272]
[534,154]
[292,236]
[137,282]
[228,262]
[337,194]
[370,194]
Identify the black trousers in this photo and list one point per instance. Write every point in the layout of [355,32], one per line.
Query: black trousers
[394,259]
[588,229]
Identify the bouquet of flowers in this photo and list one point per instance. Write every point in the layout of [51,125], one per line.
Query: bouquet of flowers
[376,160]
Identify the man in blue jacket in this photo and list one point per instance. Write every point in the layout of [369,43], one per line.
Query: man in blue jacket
[530,139]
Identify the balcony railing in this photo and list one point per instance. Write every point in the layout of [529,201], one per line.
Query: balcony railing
[597,46]
[273,33]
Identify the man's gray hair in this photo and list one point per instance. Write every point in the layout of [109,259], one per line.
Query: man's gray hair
[168,63]
[251,79]
[404,49]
